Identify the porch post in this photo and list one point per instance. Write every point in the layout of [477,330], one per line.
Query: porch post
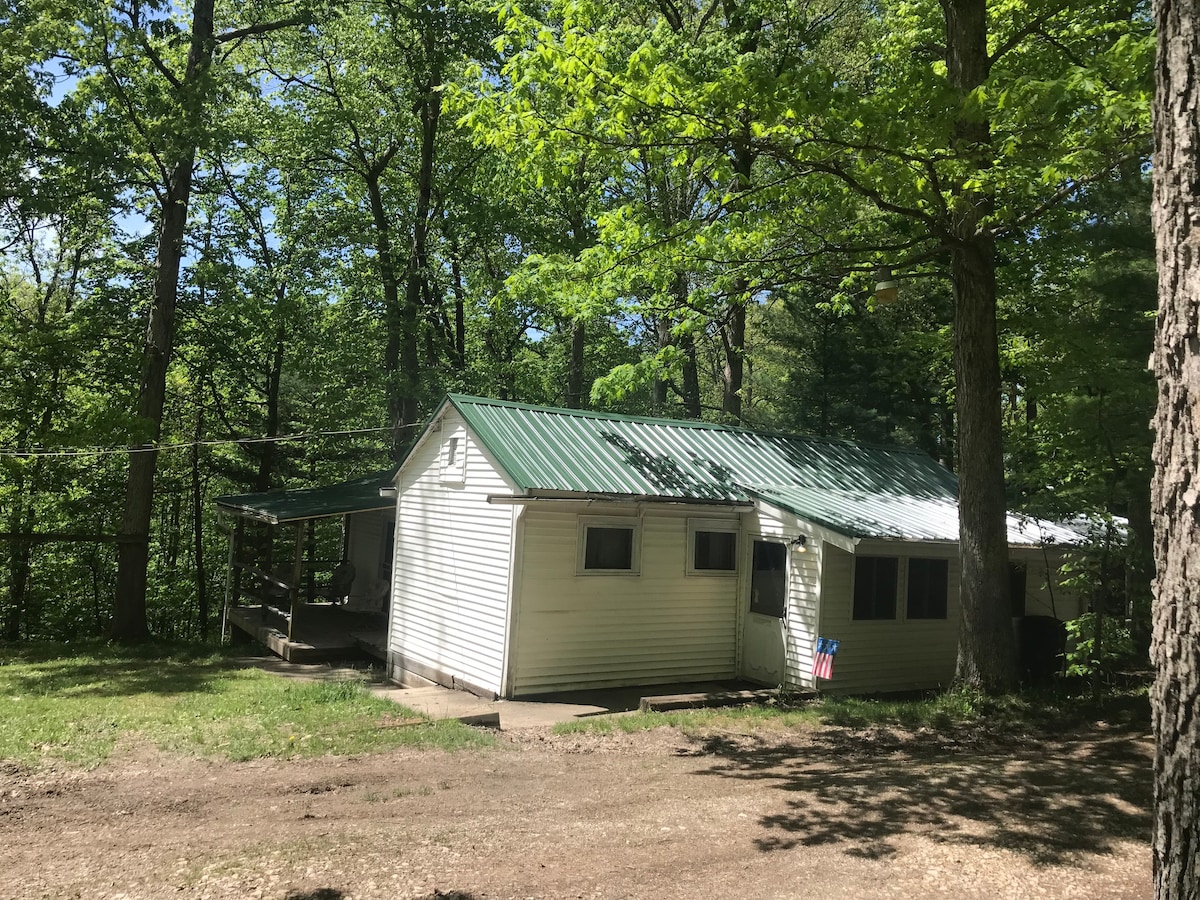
[229,575]
[297,572]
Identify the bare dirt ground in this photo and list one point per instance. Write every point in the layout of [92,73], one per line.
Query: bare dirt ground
[831,813]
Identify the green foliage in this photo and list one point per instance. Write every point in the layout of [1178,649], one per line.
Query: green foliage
[1092,650]
[79,705]
[651,173]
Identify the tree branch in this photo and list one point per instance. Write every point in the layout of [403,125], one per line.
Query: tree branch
[260,28]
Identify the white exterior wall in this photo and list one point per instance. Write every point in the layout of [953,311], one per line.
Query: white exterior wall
[804,587]
[1045,594]
[895,654]
[367,533]
[451,570]
[577,631]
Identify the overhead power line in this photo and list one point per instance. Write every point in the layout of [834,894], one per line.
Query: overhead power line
[187,445]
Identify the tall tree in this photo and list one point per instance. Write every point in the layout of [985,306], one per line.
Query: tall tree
[164,106]
[1175,646]
[133,556]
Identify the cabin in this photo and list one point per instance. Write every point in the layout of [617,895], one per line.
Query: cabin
[306,593]
[542,550]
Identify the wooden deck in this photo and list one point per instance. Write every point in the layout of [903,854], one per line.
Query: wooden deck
[323,633]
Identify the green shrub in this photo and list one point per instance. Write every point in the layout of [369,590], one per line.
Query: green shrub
[1084,658]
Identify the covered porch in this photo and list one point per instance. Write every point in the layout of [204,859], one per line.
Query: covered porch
[323,632]
[299,585]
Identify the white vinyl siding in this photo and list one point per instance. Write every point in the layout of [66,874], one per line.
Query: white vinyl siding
[1045,594]
[451,571]
[583,631]
[888,654]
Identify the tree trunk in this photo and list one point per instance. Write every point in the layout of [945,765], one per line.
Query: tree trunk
[987,656]
[662,332]
[1175,496]
[575,365]
[691,378]
[986,651]
[133,550]
[269,450]
[405,405]
[734,338]
[733,335]
[401,336]
[198,525]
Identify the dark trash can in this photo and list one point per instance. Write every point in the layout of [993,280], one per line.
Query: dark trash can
[1042,641]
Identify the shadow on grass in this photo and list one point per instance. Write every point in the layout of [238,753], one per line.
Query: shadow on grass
[103,670]
[1047,799]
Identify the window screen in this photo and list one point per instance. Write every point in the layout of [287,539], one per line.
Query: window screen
[608,548]
[768,580]
[927,580]
[875,587]
[715,551]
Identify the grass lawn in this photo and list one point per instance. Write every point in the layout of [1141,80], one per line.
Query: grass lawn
[1046,711]
[76,704]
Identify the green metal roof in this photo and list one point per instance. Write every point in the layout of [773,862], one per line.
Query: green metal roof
[858,490]
[899,516]
[275,507]
[545,449]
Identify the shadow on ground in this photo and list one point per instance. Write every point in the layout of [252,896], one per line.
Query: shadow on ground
[1049,800]
[100,670]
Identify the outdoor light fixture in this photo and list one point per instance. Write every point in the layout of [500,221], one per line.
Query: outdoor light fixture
[798,543]
[887,289]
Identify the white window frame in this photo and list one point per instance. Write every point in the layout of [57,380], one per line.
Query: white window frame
[453,457]
[724,526]
[633,523]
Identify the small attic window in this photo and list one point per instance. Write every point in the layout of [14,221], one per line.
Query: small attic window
[454,459]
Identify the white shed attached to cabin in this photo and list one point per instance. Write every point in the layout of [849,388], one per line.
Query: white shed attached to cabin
[542,550]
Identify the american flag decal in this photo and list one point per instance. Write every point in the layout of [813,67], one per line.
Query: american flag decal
[827,649]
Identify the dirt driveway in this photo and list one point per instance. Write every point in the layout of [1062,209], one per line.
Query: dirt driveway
[832,814]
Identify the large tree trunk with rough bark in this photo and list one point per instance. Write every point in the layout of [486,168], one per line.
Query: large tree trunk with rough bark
[1175,500]
[987,656]
[133,549]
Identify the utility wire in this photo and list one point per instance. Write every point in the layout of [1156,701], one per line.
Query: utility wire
[153,448]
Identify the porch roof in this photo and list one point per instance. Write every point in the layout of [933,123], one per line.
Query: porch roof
[276,507]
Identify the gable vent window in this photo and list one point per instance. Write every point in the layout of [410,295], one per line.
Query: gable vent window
[608,545]
[927,588]
[454,459]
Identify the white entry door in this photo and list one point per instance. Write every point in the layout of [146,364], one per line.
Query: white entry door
[764,627]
